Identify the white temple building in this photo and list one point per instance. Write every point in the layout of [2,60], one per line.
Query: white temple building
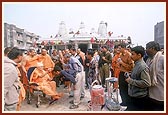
[81,38]
[102,30]
[62,30]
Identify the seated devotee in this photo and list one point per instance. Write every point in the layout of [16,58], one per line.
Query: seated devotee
[44,81]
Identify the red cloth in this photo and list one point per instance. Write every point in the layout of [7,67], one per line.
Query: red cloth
[97,96]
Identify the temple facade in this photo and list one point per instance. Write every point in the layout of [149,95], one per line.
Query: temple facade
[82,39]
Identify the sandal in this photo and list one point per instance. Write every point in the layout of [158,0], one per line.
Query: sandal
[73,106]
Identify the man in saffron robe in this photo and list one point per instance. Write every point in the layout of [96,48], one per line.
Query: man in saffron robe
[41,77]
[46,60]
[115,65]
[29,60]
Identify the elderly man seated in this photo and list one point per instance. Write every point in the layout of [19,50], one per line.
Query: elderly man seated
[41,77]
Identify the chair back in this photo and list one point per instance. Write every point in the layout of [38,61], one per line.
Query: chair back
[29,72]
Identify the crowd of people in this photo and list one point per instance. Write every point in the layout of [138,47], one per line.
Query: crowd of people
[140,74]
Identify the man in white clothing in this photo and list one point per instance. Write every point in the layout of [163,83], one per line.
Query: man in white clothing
[156,66]
[11,81]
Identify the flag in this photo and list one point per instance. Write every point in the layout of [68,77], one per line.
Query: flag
[92,40]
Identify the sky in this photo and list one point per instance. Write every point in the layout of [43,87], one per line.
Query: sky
[134,19]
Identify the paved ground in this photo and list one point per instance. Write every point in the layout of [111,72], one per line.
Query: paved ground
[61,105]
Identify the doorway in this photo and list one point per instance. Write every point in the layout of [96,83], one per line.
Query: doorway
[83,47]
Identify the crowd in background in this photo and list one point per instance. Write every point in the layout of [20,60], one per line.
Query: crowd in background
[140,73]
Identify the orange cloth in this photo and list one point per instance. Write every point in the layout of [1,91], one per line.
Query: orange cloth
[47,61]
[22,93]
[22,96]
[116,68]
[31,61]
[115,65]
[45,83]
[128,63]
